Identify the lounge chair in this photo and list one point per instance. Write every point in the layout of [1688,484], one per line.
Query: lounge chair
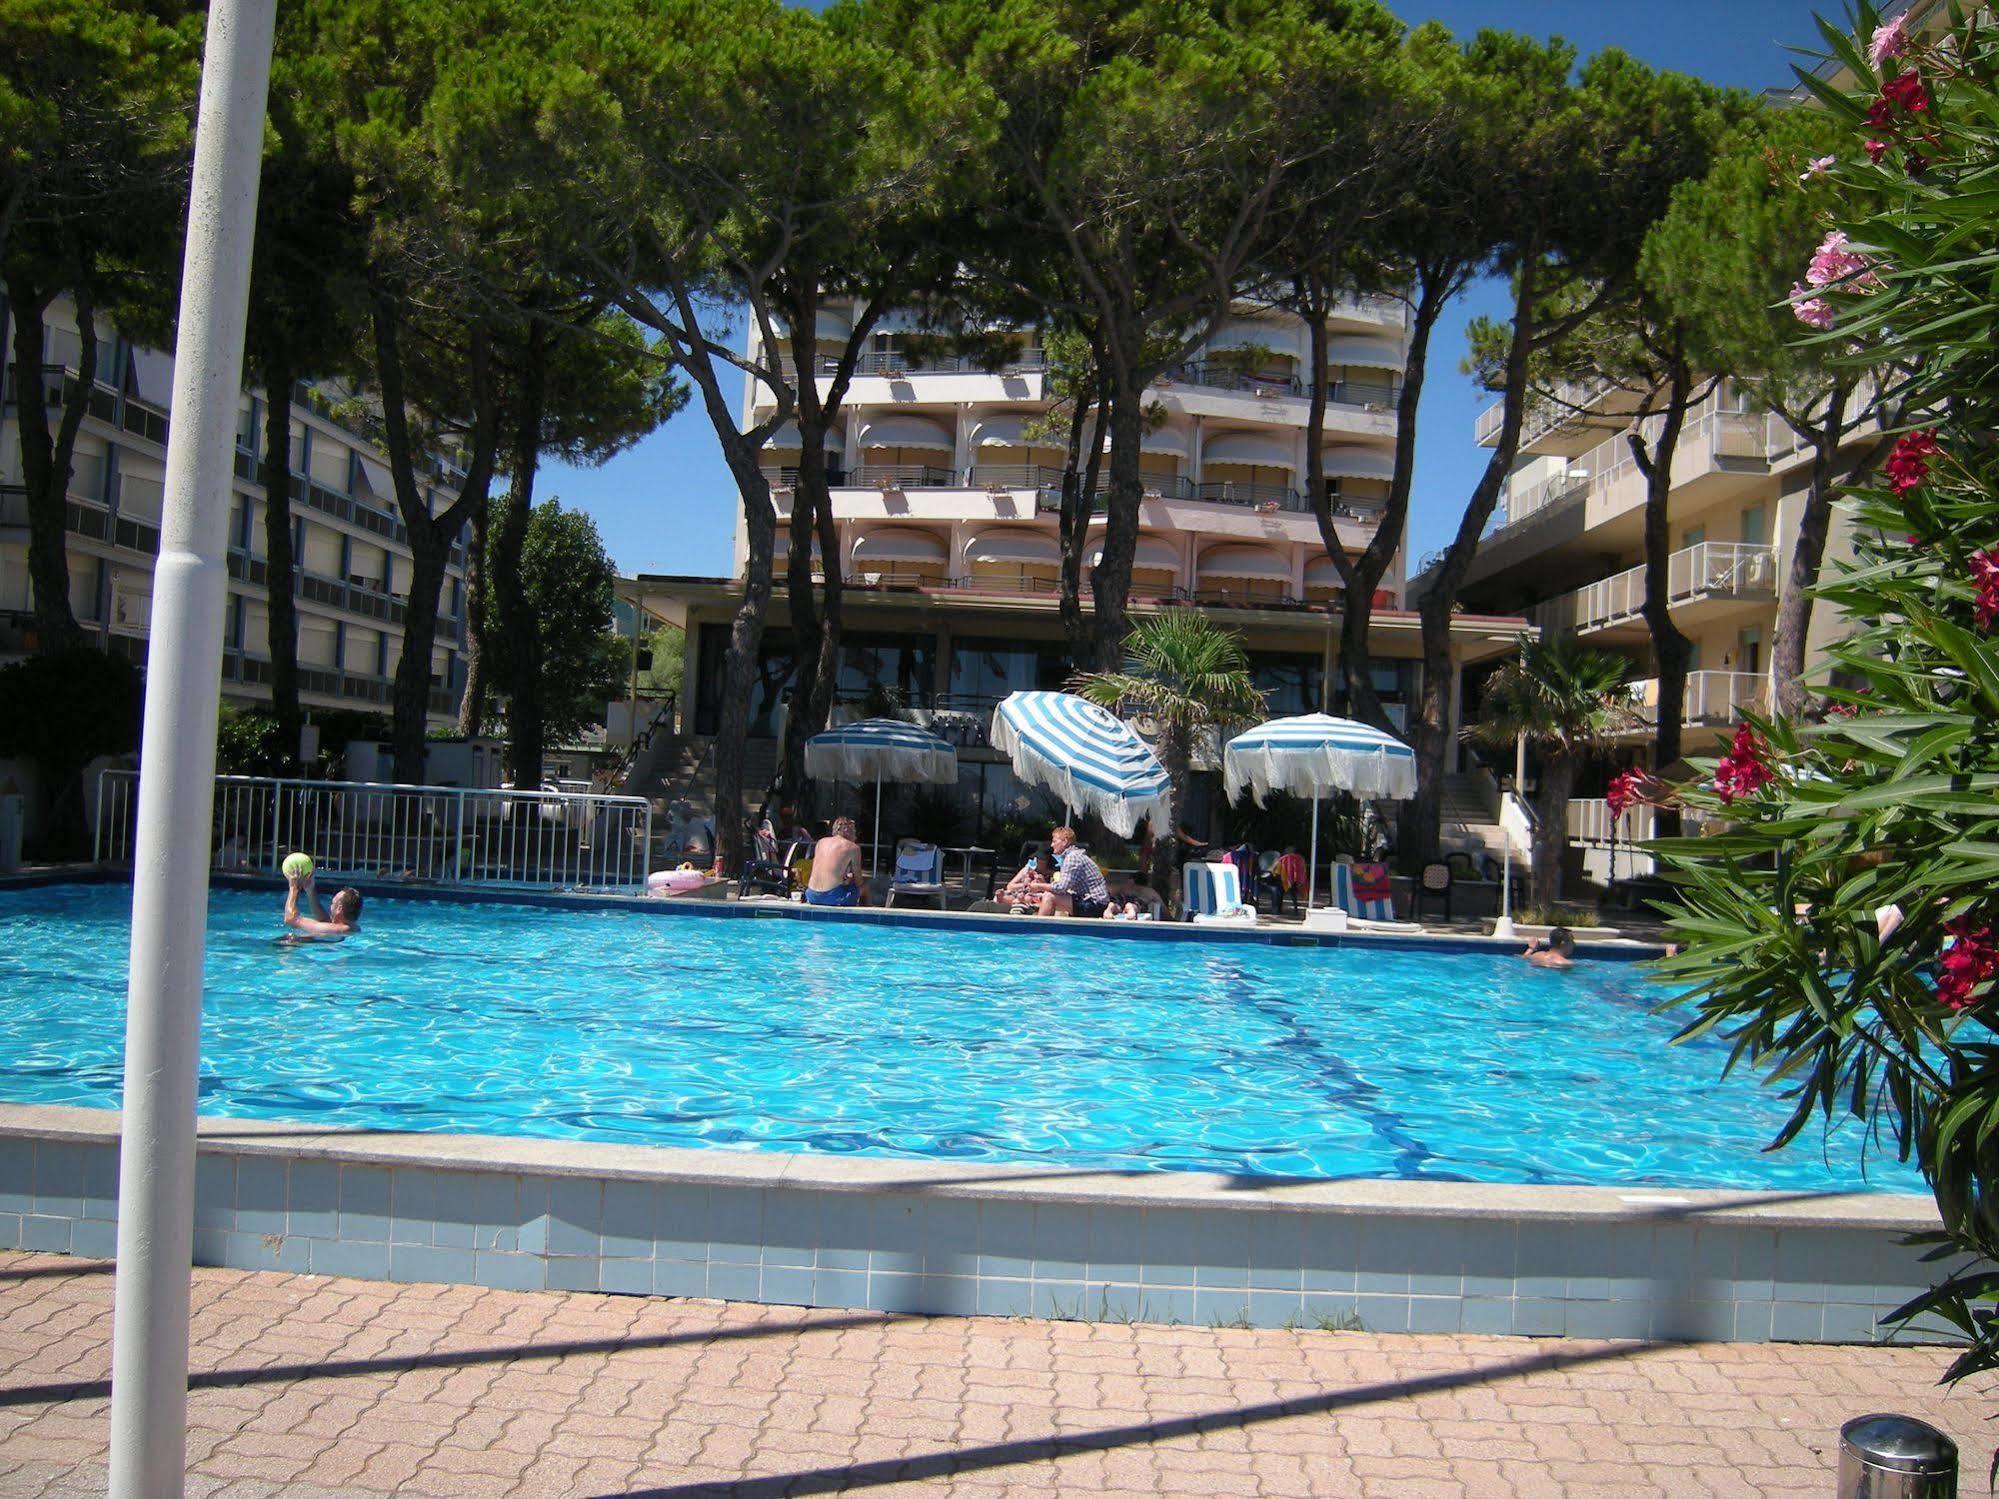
[1364,893]
[1213,895]
[919,872]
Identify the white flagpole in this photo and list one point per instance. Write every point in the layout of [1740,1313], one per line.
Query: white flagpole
[177,770]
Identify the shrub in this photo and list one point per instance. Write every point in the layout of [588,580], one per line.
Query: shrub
[1840,930]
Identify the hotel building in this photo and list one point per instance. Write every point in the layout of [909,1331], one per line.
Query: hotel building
[347,538]
[945,498]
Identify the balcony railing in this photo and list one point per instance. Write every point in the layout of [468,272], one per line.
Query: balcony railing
[1589,821]
[902,476]
[896,362]
[1340,392]
[1707,569]
[1255,496]
[1713,698]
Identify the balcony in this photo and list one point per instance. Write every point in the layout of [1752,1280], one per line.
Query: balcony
[1714,699]
[1707,572]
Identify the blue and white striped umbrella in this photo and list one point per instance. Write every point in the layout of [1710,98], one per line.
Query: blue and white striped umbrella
[1315,753]
[1084,754]
[1312,754]
[880,749]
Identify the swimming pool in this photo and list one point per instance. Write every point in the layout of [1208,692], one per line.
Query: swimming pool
[1018,1046]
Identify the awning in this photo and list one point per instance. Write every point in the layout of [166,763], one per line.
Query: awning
[1174,440]
[153,375]
[1003,431]
[899,544]
[1369,353]
[1152,552]
[1263,449]
[1244,562]
[1350,461]
[788,436]
[1244,333]
[381,483]
[831,324]
[1018,545]
[1322,574]
[898,431]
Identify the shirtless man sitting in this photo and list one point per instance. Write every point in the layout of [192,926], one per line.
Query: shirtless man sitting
[837,876]
[322,925]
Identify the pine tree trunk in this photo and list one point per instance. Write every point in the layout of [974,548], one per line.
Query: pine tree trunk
[519,653]
[429,551]
[1422,824]
[280,565]
[1672,651]
[46,461]
[1111,580]
[472,706]
[1794,604]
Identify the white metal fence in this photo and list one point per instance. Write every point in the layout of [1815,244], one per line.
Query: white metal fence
[547,840]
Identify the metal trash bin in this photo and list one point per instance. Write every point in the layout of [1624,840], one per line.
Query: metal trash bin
[1895,1457]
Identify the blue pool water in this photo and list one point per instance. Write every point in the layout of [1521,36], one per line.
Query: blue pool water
[863,1039]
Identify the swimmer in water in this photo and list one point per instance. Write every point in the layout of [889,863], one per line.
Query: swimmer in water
[323,924]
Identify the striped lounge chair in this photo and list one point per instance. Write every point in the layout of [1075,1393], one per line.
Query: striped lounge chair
[1214,894]
[1363,891]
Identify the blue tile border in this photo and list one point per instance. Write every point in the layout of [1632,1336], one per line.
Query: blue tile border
[1675,1277]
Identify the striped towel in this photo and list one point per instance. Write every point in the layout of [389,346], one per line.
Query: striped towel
[1371,882]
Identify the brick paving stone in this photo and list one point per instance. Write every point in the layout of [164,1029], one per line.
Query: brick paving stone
[315,1388]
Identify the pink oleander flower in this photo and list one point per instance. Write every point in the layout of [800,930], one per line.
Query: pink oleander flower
[1906,92]
[1813,312]
[1891,40]
[1742,771]
[1876,150]
[1818,166]
[1968,962]
[1908,464]
[1835,260]
[1985,573]
[1628,789]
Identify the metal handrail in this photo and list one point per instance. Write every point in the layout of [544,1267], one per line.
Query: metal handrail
[548,839]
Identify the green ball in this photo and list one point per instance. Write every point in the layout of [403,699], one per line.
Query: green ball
[297,864]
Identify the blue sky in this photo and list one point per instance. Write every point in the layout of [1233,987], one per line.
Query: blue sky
[668,506]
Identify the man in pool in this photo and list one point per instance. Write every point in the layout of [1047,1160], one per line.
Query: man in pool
[1079,890]
[324,924]
[1559,951]
[837,876]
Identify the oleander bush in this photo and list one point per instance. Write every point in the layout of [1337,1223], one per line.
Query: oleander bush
[1840,928]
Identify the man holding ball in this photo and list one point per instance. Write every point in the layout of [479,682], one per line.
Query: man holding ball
[322,924]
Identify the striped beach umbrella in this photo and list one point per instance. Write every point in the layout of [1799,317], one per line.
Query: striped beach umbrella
[880,749]
[1086,755]
[1315,753]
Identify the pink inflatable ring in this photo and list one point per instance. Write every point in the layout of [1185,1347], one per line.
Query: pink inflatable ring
[674,881]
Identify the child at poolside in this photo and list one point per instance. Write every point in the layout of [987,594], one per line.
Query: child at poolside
[1041,867]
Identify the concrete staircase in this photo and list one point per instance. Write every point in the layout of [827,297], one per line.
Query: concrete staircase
[1468,823]
[681,767]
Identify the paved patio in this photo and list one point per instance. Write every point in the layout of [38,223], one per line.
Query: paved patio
[311,1386]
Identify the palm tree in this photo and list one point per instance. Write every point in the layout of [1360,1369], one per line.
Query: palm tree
[1567,699]
[1183,675]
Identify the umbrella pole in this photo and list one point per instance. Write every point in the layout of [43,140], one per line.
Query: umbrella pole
[875,842]
[1312,869]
